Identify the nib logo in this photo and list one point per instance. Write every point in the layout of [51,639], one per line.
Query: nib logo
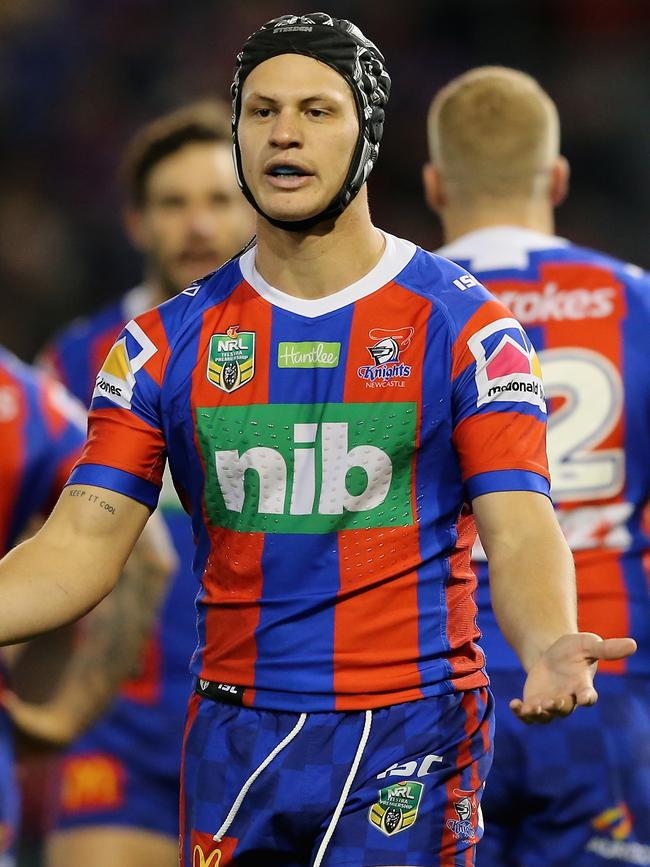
[316,468]
[507,367]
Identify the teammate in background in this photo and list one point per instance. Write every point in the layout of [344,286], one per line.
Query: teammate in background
[579,793]
[186,214]
[41,437]
[42,432]
[322,403]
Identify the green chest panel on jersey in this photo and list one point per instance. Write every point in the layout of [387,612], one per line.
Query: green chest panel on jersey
[308,468]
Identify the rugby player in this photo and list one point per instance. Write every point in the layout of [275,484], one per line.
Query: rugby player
[578,793]
[322,402]
[186,215]
[42,431]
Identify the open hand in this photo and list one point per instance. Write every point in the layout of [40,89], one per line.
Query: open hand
[563,677]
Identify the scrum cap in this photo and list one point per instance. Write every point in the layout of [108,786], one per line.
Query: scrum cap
[341,45]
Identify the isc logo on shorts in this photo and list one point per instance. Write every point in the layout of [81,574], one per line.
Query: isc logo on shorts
[507,367]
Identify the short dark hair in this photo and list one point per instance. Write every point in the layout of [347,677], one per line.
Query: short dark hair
[206,121]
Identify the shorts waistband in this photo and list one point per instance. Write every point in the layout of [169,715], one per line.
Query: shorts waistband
[226,693]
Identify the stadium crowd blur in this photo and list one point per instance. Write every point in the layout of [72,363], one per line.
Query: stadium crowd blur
[77,78]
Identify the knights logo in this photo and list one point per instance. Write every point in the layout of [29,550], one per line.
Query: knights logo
[231,359]
[468,825]
[397,807]
[386,353]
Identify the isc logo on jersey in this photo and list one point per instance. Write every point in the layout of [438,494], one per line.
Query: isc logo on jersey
[507,367]
[291,468]
[129,354]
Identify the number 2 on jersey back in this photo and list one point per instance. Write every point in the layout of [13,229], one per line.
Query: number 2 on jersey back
[592,391]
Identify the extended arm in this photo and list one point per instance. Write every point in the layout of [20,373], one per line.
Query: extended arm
[112,639]
[71,563]
[532,585]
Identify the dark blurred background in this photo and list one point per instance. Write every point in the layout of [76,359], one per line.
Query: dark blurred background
[78,77]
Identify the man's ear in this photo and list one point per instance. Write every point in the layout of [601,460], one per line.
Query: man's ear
[135,228]
[559,186]
[434,191]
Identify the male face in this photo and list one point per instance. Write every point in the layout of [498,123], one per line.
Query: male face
[194,217]
[297,132]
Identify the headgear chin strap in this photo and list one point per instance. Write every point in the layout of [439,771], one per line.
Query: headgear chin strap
[341,45]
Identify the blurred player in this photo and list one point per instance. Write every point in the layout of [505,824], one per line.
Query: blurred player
[322,403]
[42,431]
[579,793]
[186,214]
[41,435]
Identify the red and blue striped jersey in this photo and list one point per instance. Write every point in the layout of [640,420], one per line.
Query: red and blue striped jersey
[42,431]
[327,450]
[588,316]
[74,356]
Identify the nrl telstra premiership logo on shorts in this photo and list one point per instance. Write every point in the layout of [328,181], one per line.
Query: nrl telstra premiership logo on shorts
[397,807]
[507,367]
[385,352]
[231,359]
[312,468]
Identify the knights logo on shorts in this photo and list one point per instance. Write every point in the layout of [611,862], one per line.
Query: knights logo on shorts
[397,807]
[231,359]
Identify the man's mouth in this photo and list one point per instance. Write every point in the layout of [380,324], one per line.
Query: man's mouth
[198,257]
[287,176]
[287,172]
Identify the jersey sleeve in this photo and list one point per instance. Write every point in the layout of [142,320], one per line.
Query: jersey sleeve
[125,450]
[499,410]
[64,419]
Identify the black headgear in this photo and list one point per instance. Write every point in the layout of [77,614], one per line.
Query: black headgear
[341,45]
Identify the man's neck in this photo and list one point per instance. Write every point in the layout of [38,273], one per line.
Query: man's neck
[320,263]
[459,220]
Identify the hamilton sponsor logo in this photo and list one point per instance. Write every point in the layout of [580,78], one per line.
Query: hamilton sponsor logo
[308,354]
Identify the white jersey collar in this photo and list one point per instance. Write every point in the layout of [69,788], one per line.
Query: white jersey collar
[396,256]
[497,247]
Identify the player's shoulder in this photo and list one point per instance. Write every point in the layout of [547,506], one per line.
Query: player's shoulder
[84,330]
[635,278]
[454,292]
[15,371]
[43,394]
[186,309]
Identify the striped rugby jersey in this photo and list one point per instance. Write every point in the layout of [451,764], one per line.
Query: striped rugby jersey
[42,431]
[588,316]
[326,450]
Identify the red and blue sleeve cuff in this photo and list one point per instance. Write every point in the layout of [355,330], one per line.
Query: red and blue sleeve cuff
[120,481]
[507,480]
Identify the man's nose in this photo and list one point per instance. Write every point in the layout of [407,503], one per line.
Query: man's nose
[202,221]
[285,131]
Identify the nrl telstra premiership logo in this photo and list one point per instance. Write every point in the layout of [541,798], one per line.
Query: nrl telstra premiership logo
[231,359]
[385,352]
[308,468]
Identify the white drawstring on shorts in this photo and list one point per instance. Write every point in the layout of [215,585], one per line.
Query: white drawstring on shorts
[345,792]
[239,800]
